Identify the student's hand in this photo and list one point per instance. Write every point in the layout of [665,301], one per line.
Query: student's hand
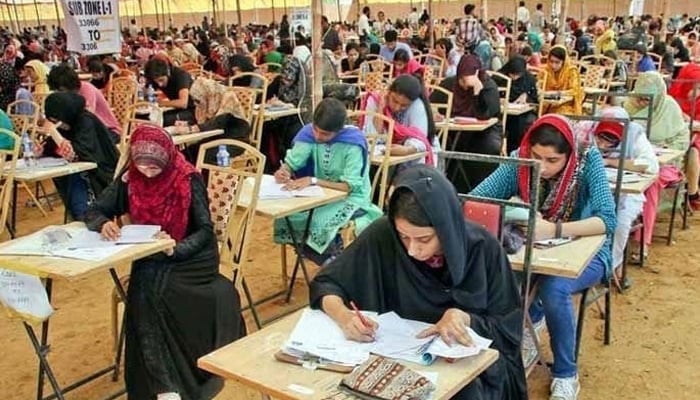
[544,229]
[355,329]
[296,184]
[522,99]
[401,150]
[164,236]
[282,175]
[110,231]
[452,328]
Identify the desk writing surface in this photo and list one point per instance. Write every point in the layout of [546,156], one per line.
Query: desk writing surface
[250,362]
[519,109]
[189,138]
[396,160]
[638,187]
[668,156]
[279,113]
[40,174]
[72,269]
[558,102]
[280,208]
[472,127]
[567,260]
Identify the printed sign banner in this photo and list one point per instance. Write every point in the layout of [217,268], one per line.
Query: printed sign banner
[92,26]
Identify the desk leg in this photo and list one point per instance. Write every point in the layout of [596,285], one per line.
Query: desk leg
[528,325]
[13,220]
[298,248]
[42,349]
[122,330]
[460,163]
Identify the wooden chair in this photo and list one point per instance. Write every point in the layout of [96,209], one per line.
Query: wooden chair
[444,109]
[504,94]
[23,122]
[246,97]
[122,94]
[256,127]
[433,67]
[233,221]
[376,140]
[541,75]
[24,115]
[8,163]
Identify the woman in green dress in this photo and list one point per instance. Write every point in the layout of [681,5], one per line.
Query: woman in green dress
[329,154]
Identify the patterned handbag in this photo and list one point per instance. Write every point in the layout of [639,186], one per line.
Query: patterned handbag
[381,378]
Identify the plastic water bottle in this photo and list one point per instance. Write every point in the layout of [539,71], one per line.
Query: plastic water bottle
[151,94]
[223,158]
[28,151]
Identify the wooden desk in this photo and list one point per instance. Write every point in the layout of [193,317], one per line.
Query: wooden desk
[519,109]
[70,270]
[250,362]
[567,260]
[284,208]
[592,90]
[37,174]
[556,103]
[396,160]
[189,138]
[473,127]
[669,156]
[281,208]
[275,113]
[638,187]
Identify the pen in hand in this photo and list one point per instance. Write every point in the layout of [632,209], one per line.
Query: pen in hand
[359,315]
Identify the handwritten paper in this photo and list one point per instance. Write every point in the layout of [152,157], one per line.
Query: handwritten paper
[24,295]
[269,189]
[317,334]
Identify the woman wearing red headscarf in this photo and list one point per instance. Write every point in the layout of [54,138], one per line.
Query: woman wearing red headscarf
[178,306]
[575,200]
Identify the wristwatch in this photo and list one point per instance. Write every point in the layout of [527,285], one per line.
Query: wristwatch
[314,181]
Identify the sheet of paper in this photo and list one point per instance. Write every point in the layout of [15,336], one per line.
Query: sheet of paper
[90,254]
[24,294]
[131,234]
[317,334]
[43,162]
[269,189]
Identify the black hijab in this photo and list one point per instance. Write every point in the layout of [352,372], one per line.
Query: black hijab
[377,273]
[91,140]
[525,84]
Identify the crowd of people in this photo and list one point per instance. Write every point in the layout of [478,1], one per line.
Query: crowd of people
[420,258]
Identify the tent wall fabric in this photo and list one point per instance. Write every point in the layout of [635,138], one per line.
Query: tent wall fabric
[192,11]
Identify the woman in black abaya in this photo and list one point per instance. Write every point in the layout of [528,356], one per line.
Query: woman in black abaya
[425,262]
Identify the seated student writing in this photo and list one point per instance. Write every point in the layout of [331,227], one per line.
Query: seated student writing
[329,154]
[175,84]
[414,127]
[178,306]
[639,157]
[76,134]
[425,262]
[575,201]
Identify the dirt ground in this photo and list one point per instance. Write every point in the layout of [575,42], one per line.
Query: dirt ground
[653,354]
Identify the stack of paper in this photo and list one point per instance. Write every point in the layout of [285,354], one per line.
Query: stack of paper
[269,189]
[318,335]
